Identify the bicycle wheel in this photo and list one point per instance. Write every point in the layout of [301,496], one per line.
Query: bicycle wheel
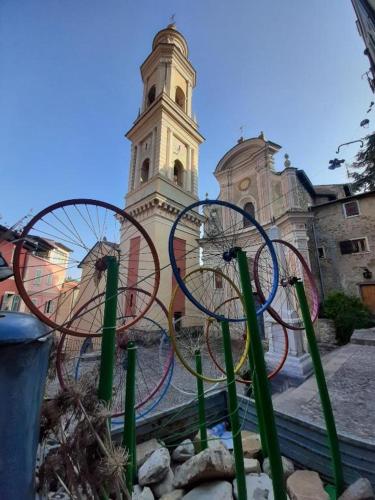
[189,335]
[238,332]
[80,356]
[182,384]
[285,308]
[67,266]
[224,228]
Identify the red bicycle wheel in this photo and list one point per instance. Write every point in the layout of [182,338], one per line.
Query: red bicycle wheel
[238,335]
[285,307]
[79,357]
[59,261]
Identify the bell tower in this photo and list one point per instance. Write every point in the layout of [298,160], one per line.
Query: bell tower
[163,173]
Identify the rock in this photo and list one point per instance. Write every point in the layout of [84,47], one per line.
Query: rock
[217,490]
[155,468]
[258,487]
[165,486]
[252,465]
[184,451]
[208,464]
[173,495]
[213,442]
[250,444]
[145,450]
[288,467]
[175,467]
[305,485]
[360,490]
[142,493]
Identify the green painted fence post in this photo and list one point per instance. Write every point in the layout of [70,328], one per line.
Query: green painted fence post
[201,405]
[109,331]
[255,387]
[233,414]
[322,387]
[265,399]
[129,441]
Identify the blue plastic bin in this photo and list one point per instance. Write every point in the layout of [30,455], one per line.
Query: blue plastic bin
[23,370]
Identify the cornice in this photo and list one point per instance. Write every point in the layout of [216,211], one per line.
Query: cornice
[164,103]
[165,50]
[163,204]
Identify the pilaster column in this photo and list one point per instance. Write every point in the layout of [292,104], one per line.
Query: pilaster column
[188,98]
[188,185]
[137,166]
[168,160]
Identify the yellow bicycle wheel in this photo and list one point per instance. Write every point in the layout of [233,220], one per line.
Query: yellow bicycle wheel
[187,331]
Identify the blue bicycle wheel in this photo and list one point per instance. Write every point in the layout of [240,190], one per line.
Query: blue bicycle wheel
[208,234]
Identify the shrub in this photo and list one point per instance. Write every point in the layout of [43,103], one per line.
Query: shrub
[348,313]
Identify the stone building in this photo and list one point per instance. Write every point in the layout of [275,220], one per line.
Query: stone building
[342,236]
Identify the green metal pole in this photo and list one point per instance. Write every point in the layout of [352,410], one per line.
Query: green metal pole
[109,331]
[261,373]
[201,405]
[129,417]
[233,413]
[322,387]
[256,392]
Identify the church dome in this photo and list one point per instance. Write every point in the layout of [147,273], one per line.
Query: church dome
[171,36]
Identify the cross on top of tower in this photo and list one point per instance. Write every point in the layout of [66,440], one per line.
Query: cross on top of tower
[241,134]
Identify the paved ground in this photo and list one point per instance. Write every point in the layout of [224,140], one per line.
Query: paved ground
[350,374]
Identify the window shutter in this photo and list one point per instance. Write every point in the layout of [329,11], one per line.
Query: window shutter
[346,247]
[351,208]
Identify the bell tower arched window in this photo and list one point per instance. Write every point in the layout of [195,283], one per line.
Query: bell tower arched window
[249,209]
[151,95]
[180,98]
[145,170]
[178,173]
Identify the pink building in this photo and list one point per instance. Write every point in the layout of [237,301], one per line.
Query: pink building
[44,268]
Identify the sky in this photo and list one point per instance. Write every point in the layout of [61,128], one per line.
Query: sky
[70,88]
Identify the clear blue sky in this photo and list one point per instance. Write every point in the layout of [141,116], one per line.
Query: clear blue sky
[70,88]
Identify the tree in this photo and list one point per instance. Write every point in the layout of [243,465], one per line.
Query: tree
[365,180]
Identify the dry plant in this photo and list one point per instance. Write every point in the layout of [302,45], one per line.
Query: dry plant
[76,452]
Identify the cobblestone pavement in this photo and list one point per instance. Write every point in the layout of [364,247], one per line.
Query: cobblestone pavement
[350,374]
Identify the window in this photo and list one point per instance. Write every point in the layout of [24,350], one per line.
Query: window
[11,302]
[151,95]
[180,98]
[218,281]
[38,277]
[356,245]
[321,252]
[48,306]
[145,170]
[351,209]
[178,172]
[249,209]
[49,279]
[16,303]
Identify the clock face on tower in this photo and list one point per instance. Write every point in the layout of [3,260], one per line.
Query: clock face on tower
[244,184]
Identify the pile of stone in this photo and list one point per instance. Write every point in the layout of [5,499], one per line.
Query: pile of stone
[187,473]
